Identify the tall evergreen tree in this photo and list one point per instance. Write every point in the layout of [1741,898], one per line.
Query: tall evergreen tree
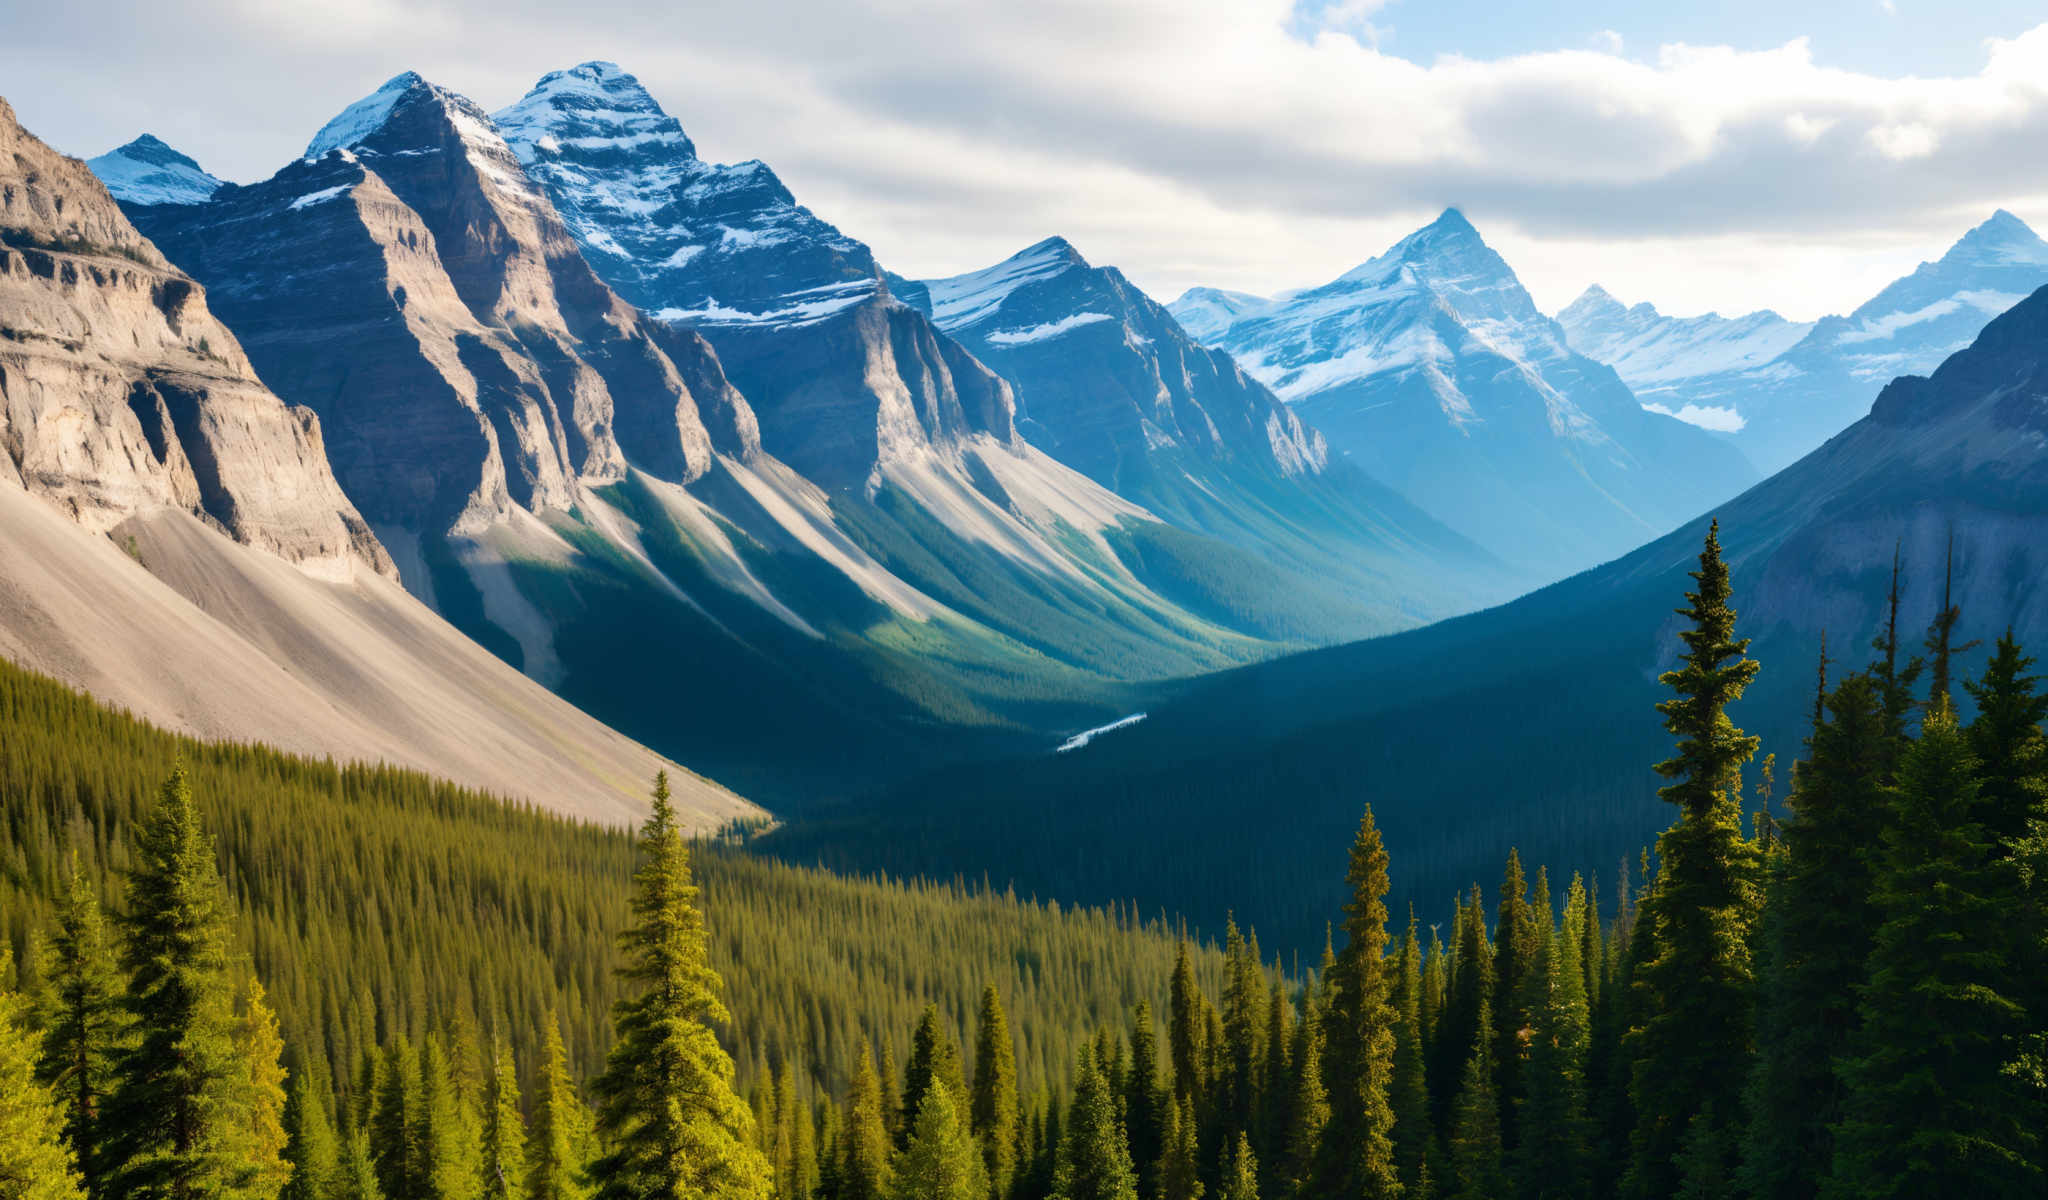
[170,1118]
[1929,1111]
[1552,1158]
[1819,928]
[84,1025]
[1146,1103]
[35,1164]
[503,1157]
[443,1161]
[994,1108]
[1478,1171]
[1515,934]
[1410,1098]
[1692,1050]
[1094,1161]
[311,1146]
[864,1139]
[943,1161]
[1471,983]
[1244,1018]
[394,1123]
[671,1122]
[258,1091]
[1358,1149]
[1185,1027]
[1180,1176]
[554,1163]
[1276,1087]
[1309,1110]
[2007,741]
[933,1057]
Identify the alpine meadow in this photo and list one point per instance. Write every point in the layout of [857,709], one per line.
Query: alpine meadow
[537,664]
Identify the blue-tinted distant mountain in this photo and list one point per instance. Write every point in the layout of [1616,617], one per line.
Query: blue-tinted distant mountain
[1531,724]
[1431,369]
[1790,398]
[145,171]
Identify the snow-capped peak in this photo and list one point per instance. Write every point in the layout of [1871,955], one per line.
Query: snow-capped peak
[965,299]
[146,171]
[593,105]
[364,117]
[2001,240]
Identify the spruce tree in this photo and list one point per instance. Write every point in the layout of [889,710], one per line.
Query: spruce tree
[1240,1173]
[554,1166]
[1180,1176]
[1692,1050]
[356,1179]
[84,1025]
[1819,928]
[258,1091]
[671,1123]
[1244,1012]
[1471,984]
[1184,1031]
[444,1162]
[1308,1111]
[1412,1132]
[1929,1108]
[503,1156]
[943,1161]
[1552,1158]
[394,1123]
[1276,1083]
[1477,1168]
[311,1146]
[1515,932]
[933,1058]
[169,1121]
[1146,1103]
[35,1164]
[2006,738]
[1094,1160]
[864,1138]
[994,1108]
[1358,1149]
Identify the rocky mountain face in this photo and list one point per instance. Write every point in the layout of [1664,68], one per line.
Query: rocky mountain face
[120,392]
[173,540]
[1563,680]
[1431,369]
[145,171]
[1652,352]
[727,251]
[1780,406]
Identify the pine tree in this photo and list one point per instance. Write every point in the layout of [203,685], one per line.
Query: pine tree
[35,1164]
[994,1107]
[1410,1098]
[1929,1110]
[1094,1161]
[1146,1103]
[1180,1176]
[2007,741]
[804,1178]
[1692,1050]
[444,1162]
[1308,1111]
[1244,1011]
[1436,986]
[311,1146]
[394,1123]
[1276,1084]
[943,1161]
[1241,1173]
[356,1178]
[933,1058]
[1184,1030]
[84,1025]
[671,1122]
[1515,933]
[503,1157]
[864,1139]
[169,1120]
[259,1095]
[1471,983]
[1819,927]
[1552,1157]
[1477,1170]
[1358,1150]
[554,1168]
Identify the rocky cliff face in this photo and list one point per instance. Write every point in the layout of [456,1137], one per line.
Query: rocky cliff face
[843,374]
[120,393]
[436,312]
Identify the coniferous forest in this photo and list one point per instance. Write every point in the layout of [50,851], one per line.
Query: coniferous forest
[265,977]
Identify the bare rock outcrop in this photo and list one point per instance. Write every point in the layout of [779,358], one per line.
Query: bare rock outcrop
[120,392]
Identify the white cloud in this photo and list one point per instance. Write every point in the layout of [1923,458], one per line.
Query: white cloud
[1607,42]
[1720,420]
[1189,141]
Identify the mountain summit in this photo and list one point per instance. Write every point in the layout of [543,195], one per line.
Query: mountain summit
[146,171]
[1431,368]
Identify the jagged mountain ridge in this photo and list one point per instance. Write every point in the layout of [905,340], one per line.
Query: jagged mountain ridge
[1431,369]
[173,540]
[1553,692]
[146,171]
[950,584]
[1791,401]
[1650,351]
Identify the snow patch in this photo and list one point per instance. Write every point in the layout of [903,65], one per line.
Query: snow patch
[1086,736]
[320,197]
[1051,329]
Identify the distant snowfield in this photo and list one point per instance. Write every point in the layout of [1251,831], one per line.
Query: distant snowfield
[1081,739]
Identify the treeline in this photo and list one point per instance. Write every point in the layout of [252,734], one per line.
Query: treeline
[1847,1001]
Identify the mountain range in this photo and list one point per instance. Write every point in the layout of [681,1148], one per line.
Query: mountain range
[1780,388]
[1431,369]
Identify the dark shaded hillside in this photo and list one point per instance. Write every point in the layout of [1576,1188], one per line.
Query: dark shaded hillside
[1530,724]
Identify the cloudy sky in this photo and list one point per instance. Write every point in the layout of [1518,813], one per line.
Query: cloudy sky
[1752,153]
